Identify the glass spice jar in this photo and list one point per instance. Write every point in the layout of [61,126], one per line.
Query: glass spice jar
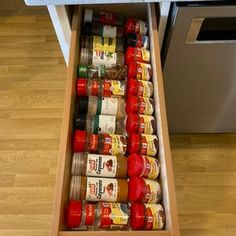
[137,41]
[137,55]
[140,71]
[135,26]
[139,88]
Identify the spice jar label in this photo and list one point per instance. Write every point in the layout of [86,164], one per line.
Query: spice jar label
[113,88]
[145,107]
[151,168]
[101,189]
[101,165]
[142,27]
[104,44]
[109,31]
[103,58]
[155,216]
[153,191]
[90,213]
[145,89]
[143,71]
[149,145]
[107,106]
[119,213]
[145,54]
[93,143]
[104,124]
[146,124]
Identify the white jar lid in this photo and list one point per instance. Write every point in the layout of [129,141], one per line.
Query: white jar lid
[88,15]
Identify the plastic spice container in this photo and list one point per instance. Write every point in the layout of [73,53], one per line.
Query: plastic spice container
[137,55]
[106,144]
[96,42]
[96,189]
[96,57]
[147,216]
[140,71]
[137,40]
[100,105]
[116,72]
[104,88]
[144,190]
[143,166]
[105,18]
[140,124]
[112,216]
[135,26]
[140,88]
[143,144]
[102,30]
[139,105]
[79,215]
[87,164]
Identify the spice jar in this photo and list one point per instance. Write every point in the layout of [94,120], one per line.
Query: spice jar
[143,166]
[87,164]
[96,189]
[139,105]
[112,216]
[106,144]
[140,88]
[80,215]
[104,88]
[116,72]
[140,124]
[137,55]
[144,190]
[102,17]
[138,70]
[96,57]
[137,41]
[147,216]
[96,42]
[135,26]
[100,105]
[109,31]
[143,144]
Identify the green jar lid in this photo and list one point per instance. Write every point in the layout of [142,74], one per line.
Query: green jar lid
[82,71]
[95,124]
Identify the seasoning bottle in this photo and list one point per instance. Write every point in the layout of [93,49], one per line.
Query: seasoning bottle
[147,216]
[143,166]
[137,41]
[105,18]
[137,55]
[143,144]
[138,70]
[140,124]
[96,189]
[96,42]
[135,26]
[87,164]
[100,105]
[96,57]
[140,88]
[139,105]
[116,72]
[144,190]
[103,88]
[106,144]
[109,31]
[80,215]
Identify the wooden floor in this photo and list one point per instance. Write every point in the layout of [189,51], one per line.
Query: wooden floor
[32,83]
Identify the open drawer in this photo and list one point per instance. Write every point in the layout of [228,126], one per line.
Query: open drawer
[141,11]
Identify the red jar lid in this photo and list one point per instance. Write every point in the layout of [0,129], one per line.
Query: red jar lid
[132,70]
[137,216]
[132,87]
[132,123]
[136,189]
[132,105]
[129,25]
[134,165]
[130,55]
[134,143]
[82,87]
[79,140]
[74,214]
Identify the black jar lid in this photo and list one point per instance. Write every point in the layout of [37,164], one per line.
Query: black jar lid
[81,106]
[131,40]
[80,122]
[88,28]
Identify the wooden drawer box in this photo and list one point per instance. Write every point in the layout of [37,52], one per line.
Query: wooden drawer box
[142,11]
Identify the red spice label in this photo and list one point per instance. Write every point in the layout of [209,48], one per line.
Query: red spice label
[149,145]
[151,168]
[89,210]
[94,88]
[93,143]
[145,106]
[152,190]
[113,88]
[144,71]
[107,18]
[145,124]
[105,215]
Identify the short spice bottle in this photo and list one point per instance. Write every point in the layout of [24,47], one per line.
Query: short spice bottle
[87,164]
[140,71]
[147,216]
[137,41]
[103,88]
[135,26]
[139,105]
[140,88]
[137,55]
[102,17]
[143,144]
[106,144]
[95,189]
[144,190]
[97,57]
[140,124]
[143,166]
[94,28]
[116,72]
[96,42]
